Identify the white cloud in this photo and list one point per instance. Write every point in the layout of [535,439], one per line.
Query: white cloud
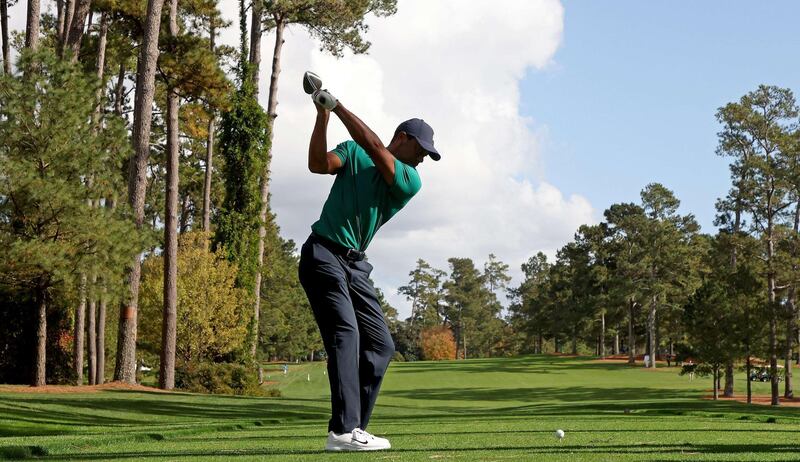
[458,65]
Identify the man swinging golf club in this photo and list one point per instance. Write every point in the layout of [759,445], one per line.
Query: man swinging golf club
[373,182]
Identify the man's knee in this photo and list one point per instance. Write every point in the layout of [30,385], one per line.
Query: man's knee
[345,337]
[385,350]
[388,350]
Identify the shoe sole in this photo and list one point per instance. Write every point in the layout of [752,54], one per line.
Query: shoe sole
[353,448]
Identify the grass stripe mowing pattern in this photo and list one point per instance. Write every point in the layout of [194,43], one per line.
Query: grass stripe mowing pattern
[476,410]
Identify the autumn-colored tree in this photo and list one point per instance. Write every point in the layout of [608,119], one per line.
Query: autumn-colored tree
[437,343]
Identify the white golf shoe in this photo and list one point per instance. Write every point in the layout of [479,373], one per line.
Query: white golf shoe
[357,440]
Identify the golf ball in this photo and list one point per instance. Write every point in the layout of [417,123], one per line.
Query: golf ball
[559,434]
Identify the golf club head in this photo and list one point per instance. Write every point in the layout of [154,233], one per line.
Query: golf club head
[311,82]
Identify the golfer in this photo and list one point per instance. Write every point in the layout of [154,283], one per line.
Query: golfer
[372,184]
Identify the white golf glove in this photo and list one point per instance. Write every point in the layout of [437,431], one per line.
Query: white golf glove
[325,99]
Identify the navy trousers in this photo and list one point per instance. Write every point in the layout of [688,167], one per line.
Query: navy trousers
[353,329]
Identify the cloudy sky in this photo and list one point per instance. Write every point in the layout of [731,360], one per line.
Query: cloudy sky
[545,113]
[458,66]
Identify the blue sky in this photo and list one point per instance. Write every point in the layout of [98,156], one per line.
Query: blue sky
[634,87]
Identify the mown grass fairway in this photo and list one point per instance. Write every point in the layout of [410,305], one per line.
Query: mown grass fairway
[486,410]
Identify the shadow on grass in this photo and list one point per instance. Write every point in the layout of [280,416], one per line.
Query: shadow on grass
[542,364]
[575,395]
[530,364]
[583,401]
[42,416]
[439,433]
[46,415]
[643,449]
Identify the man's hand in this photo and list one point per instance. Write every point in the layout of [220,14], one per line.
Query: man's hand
[325,99]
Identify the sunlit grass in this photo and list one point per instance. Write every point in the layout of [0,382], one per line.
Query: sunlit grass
[485,409]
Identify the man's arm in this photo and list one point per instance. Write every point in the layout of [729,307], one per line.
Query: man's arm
[319,159]
[367,139]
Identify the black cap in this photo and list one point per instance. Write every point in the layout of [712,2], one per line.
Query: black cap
[423,133]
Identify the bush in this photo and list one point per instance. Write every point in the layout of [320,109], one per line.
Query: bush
[437,343]
[398,357]
[212,316]
[219,378]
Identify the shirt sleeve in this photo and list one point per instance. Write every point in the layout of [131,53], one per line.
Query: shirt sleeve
[406,181]
[344,150]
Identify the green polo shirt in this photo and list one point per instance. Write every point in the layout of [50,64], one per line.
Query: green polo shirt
[361,201]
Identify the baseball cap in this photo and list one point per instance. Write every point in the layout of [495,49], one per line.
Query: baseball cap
[423,133]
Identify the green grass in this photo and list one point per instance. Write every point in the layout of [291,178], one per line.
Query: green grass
[482,410]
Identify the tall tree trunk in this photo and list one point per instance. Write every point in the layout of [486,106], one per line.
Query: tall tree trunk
[737,223]
[603,334]
[651,332]
[728,393]
[110,203]
[715,376]
[59,19]
[77,346]
[32,25]
[125,368]
[4,30]
[616,340]
[101,335]
[458,340]
[101,65]
[272,105]
[209,156]
[773,321]
[168,331]
[631,333]
[41,339]
[748,371]
[69,12]
[788,389]
[91,340]
[119,89]
[76,28]
[255,41]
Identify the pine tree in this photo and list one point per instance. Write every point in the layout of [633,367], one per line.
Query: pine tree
[755,132]
[49,146]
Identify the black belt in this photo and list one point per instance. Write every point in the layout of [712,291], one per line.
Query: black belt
[346,252]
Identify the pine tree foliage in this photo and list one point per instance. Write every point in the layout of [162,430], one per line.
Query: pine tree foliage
[52,161]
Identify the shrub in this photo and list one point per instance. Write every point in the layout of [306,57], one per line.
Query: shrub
[437,343]
[212,316]
[218,378]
